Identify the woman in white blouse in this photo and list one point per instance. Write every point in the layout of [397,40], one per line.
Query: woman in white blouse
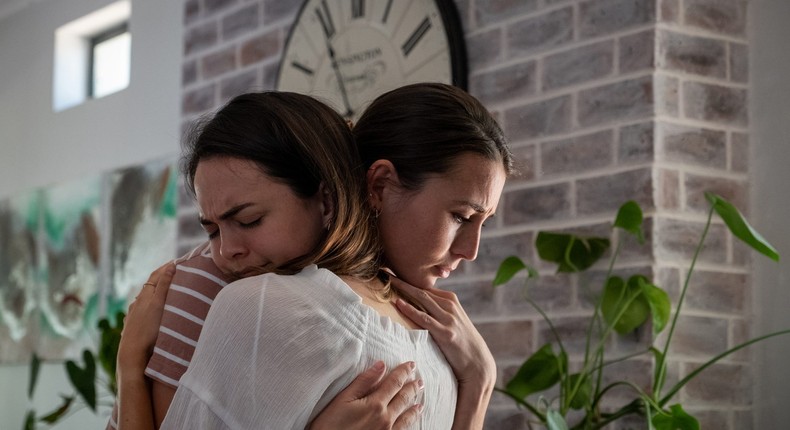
[276,349]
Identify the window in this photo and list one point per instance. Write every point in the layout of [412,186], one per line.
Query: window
[92,56]
[109,61]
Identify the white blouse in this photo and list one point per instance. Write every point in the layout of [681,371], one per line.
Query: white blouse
[275,350]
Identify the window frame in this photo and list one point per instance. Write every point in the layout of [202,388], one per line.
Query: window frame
[95,40]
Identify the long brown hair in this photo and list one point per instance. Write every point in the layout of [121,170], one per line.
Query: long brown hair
[302,142]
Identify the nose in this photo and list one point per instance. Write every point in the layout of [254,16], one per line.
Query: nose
[467,243]
[232,246]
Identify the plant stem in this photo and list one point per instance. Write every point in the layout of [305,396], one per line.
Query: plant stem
[661,371]
[712,361]
[524,403]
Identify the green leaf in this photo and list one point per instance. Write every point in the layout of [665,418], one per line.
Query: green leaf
[509,267]
[583,394]
[539,372]
[571,253]
[629,218]
[30,421]
[555,421]
[58,413]
[35,366]
[740,228]
[84,380]
[110,338]
[660,305]
[616,296]
[675,419]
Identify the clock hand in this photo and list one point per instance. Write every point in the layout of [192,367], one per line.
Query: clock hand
[349,113]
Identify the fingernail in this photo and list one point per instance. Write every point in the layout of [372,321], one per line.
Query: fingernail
[420,384]
[378,366]
[412,366]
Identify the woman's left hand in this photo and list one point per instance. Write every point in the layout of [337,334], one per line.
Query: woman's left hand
[452,330]
[141,325]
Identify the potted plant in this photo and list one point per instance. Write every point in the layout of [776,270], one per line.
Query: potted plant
[623,306]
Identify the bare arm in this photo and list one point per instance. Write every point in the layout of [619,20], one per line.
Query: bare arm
[141,327]
[161,396]
[463,347]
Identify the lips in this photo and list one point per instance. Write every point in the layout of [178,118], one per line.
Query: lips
[444,271]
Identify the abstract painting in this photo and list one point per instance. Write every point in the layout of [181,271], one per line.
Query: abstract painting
[74,252]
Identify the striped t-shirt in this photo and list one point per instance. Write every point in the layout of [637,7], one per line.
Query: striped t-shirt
[195,284]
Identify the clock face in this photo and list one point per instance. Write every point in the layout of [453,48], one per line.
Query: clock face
[347,52]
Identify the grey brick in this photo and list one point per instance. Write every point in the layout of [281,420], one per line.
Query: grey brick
[636,143]
[240,22]
[698,146]
[493,250]
[508,340]
[739,152]
[487,49]
[275,10]
[241,83]
[198,100]
[537,204]
[712,419]
[606,193]
[189,72]
[676,241]
[668,189]
[214,6]
[699,336]
[724,293]
[550,292]
[667,93]
[218,63]
[260,48]
[191,11]
[517,81]
[493,11]
[636,52]
[722,16]
[539,33]
[200,38]
[600,17]
[578,65]
[669,11]
[739,63]
[715,103]
[631,99]
[539,119]
[722,383]
[572,331]
[477,298]
[579,154]
[732,190]
[697,55]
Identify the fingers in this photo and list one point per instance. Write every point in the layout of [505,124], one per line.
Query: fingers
[364,384]
[425,297]
[406,398]
[393,383]
[163,284]
[408,419]
[422,319]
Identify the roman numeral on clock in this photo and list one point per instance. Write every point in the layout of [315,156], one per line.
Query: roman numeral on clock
[357,8]
[415,37]
[326,19]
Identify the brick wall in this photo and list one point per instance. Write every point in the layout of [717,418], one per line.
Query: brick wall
[603,101]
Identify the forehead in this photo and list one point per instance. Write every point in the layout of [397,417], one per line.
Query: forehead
[221,182]
[472,179]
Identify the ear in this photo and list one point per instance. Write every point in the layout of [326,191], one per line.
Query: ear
[327,206]
[380,177]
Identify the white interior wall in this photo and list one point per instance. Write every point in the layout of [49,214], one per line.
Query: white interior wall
[769,112]
[39,147]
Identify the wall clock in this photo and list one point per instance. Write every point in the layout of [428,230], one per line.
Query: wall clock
[347,52]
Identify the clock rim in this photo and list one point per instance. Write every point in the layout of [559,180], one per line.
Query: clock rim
[451,22]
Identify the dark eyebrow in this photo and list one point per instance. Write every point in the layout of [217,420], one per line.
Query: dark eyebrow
[476,207]
[227,214]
